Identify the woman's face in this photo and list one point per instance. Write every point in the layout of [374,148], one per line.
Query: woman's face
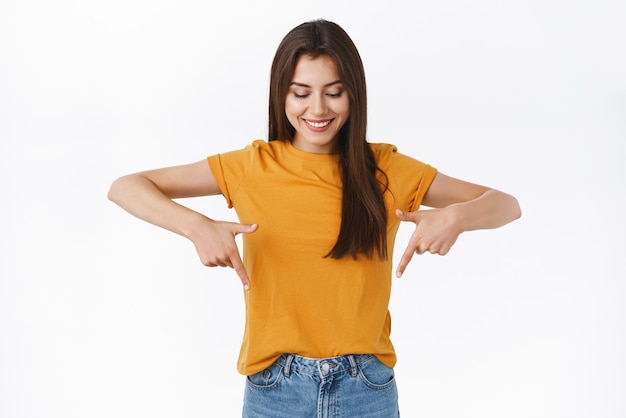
[317,105]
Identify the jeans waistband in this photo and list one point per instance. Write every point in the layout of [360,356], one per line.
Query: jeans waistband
[322,366]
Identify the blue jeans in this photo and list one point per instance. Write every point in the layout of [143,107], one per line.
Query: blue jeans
[357,386]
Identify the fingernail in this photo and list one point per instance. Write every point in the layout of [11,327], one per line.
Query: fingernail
[246,286]
[398,274]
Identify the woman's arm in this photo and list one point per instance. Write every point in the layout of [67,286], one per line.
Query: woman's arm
[148,195]
[459,206]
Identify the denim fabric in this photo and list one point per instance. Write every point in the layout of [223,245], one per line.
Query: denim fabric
[357,386]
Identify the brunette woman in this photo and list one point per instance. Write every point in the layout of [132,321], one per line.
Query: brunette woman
[319,208]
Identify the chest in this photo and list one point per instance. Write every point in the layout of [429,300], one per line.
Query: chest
[301,209]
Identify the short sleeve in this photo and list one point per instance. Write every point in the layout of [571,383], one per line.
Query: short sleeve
[230,168]
[409,179]
[416,176]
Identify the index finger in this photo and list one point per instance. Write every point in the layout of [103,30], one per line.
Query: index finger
[404,261]
[237,264]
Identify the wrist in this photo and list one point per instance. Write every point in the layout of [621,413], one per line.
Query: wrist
[192,226]
[457,214]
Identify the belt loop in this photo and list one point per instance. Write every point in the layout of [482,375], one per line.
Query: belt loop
[353,366]
[287,367]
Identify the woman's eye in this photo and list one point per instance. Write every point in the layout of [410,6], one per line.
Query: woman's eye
[335,94]
[305,95]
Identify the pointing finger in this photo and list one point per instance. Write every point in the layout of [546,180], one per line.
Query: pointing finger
[237,264]
[404,261]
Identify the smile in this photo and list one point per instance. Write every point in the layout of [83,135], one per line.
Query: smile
[318,124]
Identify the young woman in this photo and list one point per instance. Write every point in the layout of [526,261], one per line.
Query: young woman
[319,208]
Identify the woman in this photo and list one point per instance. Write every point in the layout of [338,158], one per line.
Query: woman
[319,208]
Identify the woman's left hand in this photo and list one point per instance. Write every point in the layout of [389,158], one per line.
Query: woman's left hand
[436,231]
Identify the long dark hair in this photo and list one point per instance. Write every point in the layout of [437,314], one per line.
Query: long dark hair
[363,215]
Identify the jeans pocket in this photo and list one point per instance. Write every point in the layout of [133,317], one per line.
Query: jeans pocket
[266,379]
[375,375]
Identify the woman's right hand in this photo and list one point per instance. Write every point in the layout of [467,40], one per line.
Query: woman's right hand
[150,195]
[216,246]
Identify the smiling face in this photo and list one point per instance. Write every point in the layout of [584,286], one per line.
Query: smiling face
[317,105]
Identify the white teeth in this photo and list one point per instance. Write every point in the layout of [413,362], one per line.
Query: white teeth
[318,124]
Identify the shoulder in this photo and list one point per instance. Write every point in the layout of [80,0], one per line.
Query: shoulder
[257,155]
[255,148]
[389,158]
[388,154]
[266,148]
[383,153]
[382,149]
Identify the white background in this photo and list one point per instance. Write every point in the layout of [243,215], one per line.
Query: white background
[102,315]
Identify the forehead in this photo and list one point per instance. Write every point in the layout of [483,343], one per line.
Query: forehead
[319,70]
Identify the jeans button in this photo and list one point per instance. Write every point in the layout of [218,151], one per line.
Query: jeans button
[325,367]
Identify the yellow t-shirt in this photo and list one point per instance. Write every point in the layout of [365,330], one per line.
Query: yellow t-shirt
[301,302]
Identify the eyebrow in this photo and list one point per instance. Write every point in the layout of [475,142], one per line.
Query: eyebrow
[332,83]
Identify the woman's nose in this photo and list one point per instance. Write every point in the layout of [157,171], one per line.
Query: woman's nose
[318,105]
